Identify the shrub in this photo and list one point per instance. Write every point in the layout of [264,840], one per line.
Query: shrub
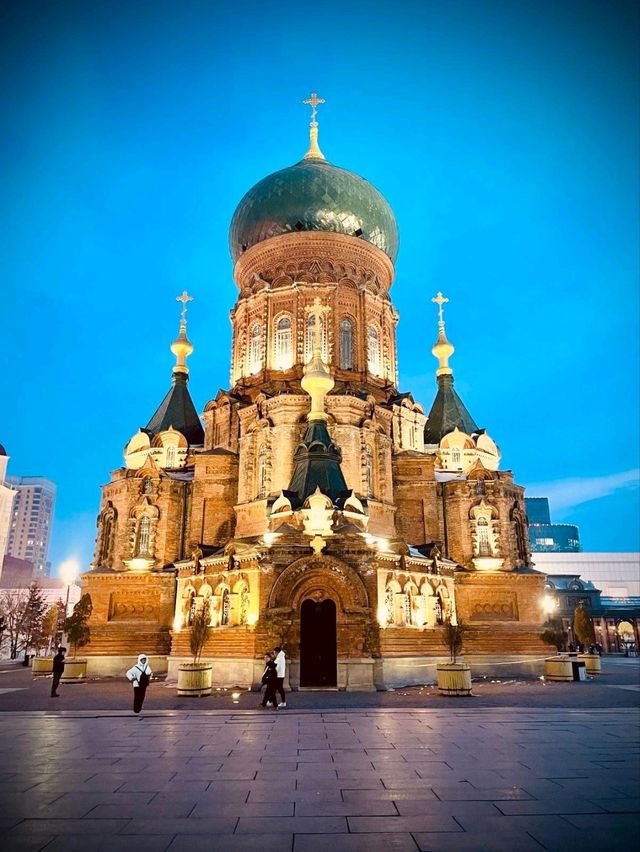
[200,631]
[76,626]
[453,637]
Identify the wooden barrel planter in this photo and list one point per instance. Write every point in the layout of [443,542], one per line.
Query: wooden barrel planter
[194,679]
[592,662]
[42,666]
[454,678]
[75,670]
[558,668]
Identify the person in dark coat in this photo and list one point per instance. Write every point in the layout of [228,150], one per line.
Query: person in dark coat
[58,669]
[270,680]
[140,677]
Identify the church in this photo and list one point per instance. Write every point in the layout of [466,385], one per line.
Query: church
[313,505]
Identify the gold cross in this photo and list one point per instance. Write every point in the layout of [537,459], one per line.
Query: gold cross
[313,101]
[184,298]
[440,300]
[317,310]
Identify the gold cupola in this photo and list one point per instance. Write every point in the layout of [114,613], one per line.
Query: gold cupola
[317,381]
[442,349]
[182,346]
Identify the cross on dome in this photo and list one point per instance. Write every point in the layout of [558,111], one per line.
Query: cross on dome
[440,300]
[442,349]
[313,102]
[314,152]
[184,298]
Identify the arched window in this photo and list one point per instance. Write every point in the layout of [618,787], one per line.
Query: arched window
[406,607]
[389,600]
[244,605]
[346,344]
[283,343]
[172,456]
[484,546]
[373,350]
[108,522]
[225,607]
[368,456]
[192,608]
[262,471]
[439,611]
[456,455]
[255,349]
[144,536]
[521,537]
[147,485]
[308,344]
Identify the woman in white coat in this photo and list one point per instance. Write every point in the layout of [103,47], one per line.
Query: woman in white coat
[140,676]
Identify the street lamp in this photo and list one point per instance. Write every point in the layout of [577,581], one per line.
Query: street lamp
[68,572]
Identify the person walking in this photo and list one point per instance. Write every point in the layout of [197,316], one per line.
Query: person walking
[58,669]
[140,677]
[270,680]
[281,668]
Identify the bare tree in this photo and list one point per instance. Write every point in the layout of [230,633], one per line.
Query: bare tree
[13,606]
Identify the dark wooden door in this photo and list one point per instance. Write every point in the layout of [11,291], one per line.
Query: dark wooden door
[318,649]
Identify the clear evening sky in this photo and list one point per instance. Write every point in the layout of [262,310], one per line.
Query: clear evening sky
[504,135]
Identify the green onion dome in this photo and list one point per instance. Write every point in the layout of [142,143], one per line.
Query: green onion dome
[313,195]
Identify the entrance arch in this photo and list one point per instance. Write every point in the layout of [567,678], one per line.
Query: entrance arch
[318,643]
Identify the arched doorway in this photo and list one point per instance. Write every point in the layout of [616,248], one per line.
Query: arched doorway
[318,647]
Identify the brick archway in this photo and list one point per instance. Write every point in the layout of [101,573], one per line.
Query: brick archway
[317,578]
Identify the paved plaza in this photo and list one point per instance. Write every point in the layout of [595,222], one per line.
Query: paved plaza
[451,775]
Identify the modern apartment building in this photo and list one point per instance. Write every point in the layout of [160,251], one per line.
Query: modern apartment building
[31,521]
[7,496]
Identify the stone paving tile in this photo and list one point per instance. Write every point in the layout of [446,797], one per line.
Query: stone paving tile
[232,843]
[466,792]
[433,807]
[54,827]
[400,824]
[606,822]
[542,766]
[387,842]
[161,825]
[378,807]
[178,808]
[626,805]
[559,805]
[28,843]
[310,795]
[390,795]
[245,809]
[293,825]
[508,841]
[118,843]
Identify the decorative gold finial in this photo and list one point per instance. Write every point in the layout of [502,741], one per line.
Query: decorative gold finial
[182,347]
[314,151]
[317,380]
[442,349]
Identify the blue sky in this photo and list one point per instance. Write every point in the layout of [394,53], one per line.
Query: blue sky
[504,135]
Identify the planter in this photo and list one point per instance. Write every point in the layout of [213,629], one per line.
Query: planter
[592,662]
[194,679]
[41,666]
[75,670]
[454,678]
[558,668]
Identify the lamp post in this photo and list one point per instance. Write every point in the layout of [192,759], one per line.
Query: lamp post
[68,572]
